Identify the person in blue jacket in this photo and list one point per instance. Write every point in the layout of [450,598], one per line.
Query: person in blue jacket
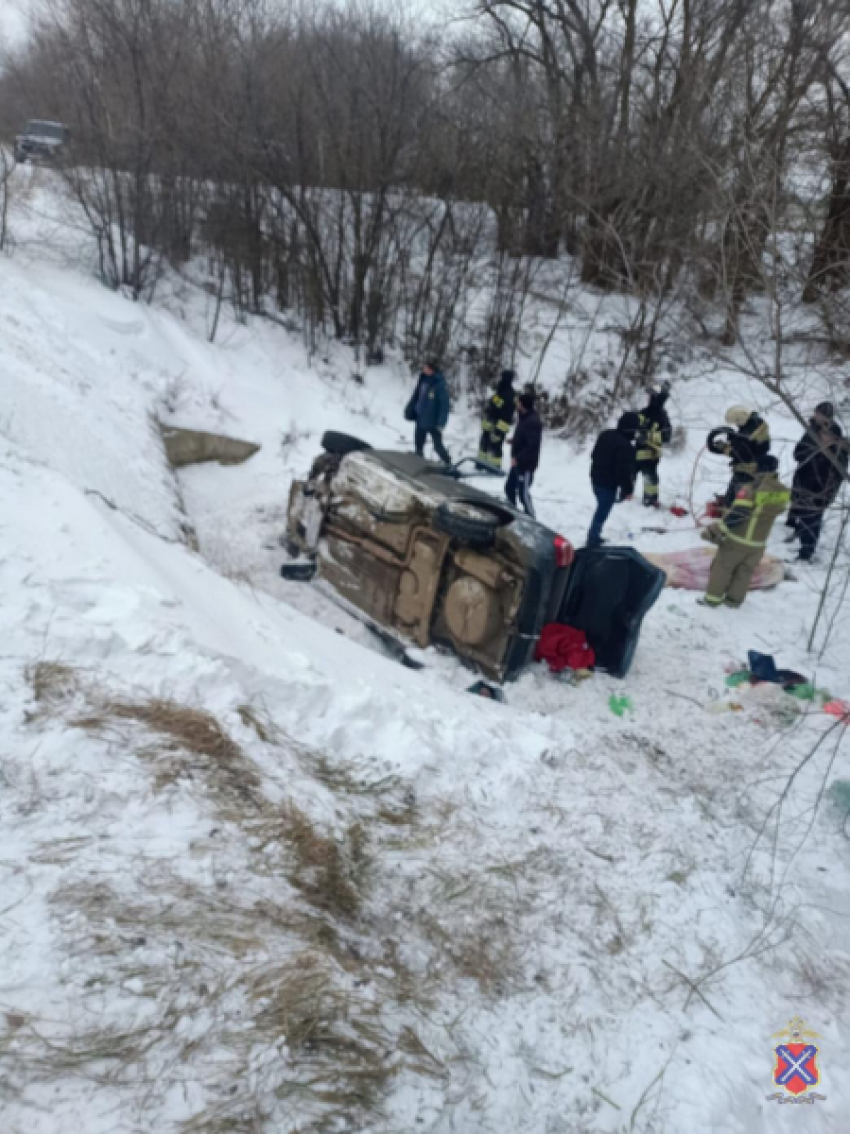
[429,409]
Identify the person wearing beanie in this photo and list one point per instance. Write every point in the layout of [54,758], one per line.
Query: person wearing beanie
[496,424]
[822,457]
[612,471]
[745,444]
[655,433]
[525,453]
[741,536]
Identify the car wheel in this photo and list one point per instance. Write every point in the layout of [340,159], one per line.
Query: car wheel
[467,523]
[342,443]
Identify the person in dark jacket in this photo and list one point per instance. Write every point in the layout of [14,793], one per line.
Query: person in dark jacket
[655,433]
[822,457]
[745,445]
[525,453]
[429,408]
[613,470]
[498,419]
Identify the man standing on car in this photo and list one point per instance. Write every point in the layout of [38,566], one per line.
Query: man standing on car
[429,408]
[525,453]
[822,458]
[613,471]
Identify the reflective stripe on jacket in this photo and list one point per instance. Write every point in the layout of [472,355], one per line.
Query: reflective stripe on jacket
[499,412]
[650,440]
[757,507]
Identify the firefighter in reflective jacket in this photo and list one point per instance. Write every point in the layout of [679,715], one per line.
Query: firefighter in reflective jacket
[741,536]
[746,444]
[498,418]
[655,432]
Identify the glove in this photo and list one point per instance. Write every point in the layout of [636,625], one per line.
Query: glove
[713,535]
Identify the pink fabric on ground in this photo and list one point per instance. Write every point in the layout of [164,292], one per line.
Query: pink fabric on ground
[690,569]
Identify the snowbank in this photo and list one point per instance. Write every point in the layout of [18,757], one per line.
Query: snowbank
[364,897]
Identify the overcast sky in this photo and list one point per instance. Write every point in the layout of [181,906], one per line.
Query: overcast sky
[13,13]
[12,20]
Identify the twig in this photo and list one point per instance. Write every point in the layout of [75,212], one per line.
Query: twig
[685,697]
[694,988]
[605,1098]
[645,1094]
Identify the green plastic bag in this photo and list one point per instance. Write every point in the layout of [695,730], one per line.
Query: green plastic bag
[619,705]
[805,692]
[742,677]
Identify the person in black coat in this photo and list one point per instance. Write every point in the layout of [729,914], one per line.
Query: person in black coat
[822,457]
[746,445]
[655,433]
[613,471]
[525,453]
[498,419]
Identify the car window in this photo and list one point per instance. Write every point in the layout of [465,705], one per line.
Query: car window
[40,129]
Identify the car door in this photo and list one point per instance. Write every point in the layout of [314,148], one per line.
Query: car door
[609,592]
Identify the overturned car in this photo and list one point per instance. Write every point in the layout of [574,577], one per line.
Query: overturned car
[421,555]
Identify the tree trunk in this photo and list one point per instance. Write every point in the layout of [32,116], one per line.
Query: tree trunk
[831,261]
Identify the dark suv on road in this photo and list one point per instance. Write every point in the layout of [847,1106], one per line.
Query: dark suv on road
[40,141]
[416,552]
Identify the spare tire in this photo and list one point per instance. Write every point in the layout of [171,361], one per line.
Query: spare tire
[467,523]
[342,443]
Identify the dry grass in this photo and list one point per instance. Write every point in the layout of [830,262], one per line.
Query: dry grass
[258,718]
[329,872]
[53,685]
[484,952]
[324,1027]
[343,779]
[338,1049]
[197,746]
[286,959]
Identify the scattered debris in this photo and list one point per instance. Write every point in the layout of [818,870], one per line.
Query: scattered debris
[564,647]
[489,692]
[619,704]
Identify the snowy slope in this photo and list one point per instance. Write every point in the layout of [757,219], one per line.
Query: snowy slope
[535,883]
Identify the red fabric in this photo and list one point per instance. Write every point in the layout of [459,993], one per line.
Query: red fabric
[564,647]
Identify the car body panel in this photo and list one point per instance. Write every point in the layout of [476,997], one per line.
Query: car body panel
[370,520]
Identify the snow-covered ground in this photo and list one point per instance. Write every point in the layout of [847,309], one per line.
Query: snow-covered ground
[256,876]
